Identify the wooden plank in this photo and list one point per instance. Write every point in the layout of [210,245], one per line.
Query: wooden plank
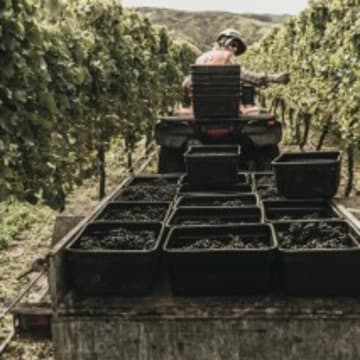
[165,306]
[113,338]
[33,321]
[347,214]
[41,308]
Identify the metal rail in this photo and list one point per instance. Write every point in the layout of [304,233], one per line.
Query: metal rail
[348,215]
[7,341]
[141,163]
[17,299]
[22,294]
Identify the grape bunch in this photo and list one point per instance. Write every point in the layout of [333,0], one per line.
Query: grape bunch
[118,239]
[231,241]
[315,235]
[310,216]
[148,193]
[138,213]
[230,203]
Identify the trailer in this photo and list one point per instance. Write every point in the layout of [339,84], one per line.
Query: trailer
[161,325]
[165,302]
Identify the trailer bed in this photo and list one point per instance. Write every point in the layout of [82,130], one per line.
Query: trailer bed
[166,327]
[162,326]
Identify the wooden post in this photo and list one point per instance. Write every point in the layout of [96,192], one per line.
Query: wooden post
[102,171]
[350,166]
[324,133]
[307,122]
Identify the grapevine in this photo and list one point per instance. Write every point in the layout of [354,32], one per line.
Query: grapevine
[73,76]
[320,48]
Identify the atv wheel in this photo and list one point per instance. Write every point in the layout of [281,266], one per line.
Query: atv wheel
[265,155]
[171,161]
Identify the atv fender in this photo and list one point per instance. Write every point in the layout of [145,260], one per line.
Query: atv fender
[263,134]
[174,134]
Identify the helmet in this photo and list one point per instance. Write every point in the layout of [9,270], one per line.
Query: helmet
[229,35]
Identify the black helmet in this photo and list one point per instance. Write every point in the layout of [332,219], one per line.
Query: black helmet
[230,35]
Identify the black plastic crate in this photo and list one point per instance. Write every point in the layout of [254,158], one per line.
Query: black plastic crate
[219,271]
[223,90]
[222,70]
[198,190]
[306,175]
[133,211]
[215,75]
[214,215]
[218,200]
[113,272]
[242,178]
[324,271]
[288,210]
[209,165]
[216,106]
[201,81]
[147,192]
[154,180]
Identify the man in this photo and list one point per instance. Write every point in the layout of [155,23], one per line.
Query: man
[229,45]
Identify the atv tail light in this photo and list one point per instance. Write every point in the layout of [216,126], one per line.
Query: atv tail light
[33,326]
[271,122]
[40,321]
[218,132]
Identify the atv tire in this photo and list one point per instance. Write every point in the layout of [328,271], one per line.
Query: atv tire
[265,155]
[171,161]
[255,158]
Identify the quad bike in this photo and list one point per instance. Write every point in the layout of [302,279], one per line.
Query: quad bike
[223,112]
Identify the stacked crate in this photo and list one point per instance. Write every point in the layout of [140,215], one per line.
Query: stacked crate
[216,91]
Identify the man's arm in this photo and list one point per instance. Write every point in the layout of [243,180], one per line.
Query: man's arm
[257,79]
[260,79]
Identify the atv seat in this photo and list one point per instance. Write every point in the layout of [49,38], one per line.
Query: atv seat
[216,91]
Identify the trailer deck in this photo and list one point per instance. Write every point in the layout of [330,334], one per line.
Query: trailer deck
[163,326]
[167,327]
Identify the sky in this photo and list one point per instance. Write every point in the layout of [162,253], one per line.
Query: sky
[236,6]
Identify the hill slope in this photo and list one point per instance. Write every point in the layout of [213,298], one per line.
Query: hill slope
[201,28]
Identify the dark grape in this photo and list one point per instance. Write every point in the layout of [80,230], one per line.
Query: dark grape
[315,236]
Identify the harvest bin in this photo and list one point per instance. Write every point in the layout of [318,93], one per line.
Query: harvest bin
[210,81]
[199,190]
[306,175]
[113,272]
[154,180]
[225,73]
[211,165]
[242,179]
[287,210]
[219,271]
[130,211]
[218,200]
[214,215]
[147,192]
[323,271]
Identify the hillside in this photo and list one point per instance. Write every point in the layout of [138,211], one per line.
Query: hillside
[201,28]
